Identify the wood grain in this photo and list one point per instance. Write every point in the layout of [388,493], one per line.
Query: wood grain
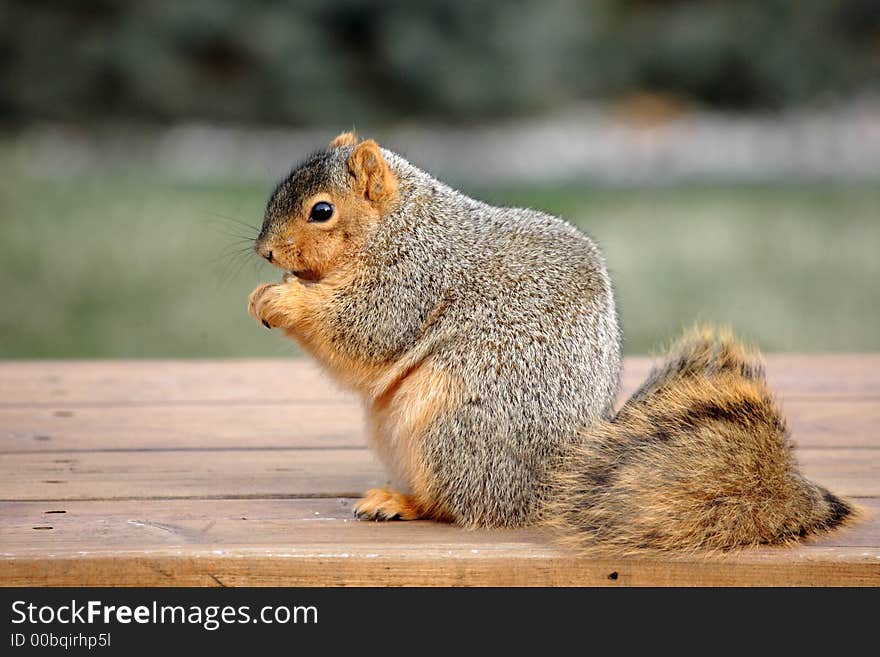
[169,474]
[339,423]
[99,383]
[339,565]
[192,426]
[242,473]
[107,526]
[290,473]
[821,376]
[307,542]
[48,383]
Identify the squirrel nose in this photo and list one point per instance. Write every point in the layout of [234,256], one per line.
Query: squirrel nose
[263,251]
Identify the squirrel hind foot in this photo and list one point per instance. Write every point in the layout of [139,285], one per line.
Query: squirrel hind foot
[386,504]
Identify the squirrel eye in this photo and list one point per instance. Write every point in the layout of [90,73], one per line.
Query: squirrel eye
[321,211]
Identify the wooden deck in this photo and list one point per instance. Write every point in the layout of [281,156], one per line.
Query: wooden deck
[226,473]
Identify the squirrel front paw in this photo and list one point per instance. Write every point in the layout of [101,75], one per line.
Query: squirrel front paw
[262,304]
[384,504]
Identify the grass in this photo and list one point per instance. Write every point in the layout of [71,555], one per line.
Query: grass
[134,265]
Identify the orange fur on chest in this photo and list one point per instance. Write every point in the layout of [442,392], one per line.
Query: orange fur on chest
[404,410]
[401,399]
[401,402]
[349,372]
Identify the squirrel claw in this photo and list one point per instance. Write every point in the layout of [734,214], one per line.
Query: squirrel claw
[381,504]
[258,308]
[376,516]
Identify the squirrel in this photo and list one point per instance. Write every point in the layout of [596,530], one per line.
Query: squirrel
[485,345]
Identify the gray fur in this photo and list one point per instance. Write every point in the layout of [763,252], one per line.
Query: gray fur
[515,309]
[515,303]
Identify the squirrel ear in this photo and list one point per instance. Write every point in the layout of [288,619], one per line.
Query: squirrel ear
[372,175]
[347,138]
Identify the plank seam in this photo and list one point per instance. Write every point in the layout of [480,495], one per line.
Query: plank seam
[330,403]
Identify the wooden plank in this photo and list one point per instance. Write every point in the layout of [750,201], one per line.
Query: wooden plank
[49,383]
[290,473]
[817,375]
[70,528]
[815,423]
[340,565]
[850,472]
[194,473]
[281,544]
[199,426]
[166,474]
[833,422]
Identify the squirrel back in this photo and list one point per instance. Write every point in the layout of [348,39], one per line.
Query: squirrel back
[485,345]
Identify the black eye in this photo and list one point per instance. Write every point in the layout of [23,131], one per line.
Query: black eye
[321,211]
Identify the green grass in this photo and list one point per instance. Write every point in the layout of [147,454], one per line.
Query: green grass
[131,264]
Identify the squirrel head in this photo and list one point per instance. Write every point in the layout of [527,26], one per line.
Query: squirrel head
[325,209]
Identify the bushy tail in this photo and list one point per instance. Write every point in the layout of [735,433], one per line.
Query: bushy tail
[698,458]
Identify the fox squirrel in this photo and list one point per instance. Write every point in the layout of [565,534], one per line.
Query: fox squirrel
[485,345]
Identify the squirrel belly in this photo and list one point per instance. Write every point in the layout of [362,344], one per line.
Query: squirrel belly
[485,346]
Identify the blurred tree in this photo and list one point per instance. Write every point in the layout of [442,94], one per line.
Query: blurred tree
[311,62]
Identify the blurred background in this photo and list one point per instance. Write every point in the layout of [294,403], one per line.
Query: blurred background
[724,154]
